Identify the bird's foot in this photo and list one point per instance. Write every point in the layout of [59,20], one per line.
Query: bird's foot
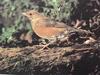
[44,46]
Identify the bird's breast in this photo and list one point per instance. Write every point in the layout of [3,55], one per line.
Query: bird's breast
[48,32]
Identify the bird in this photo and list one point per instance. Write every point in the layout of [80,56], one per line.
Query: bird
[47,28]
[43,26]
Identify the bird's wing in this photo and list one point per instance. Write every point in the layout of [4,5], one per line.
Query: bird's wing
[52,23]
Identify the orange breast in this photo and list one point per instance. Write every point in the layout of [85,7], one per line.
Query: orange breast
[48,32]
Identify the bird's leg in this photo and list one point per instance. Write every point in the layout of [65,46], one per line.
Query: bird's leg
[57,41]
[50,43]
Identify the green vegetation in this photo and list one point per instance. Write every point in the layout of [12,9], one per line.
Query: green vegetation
[60,9]
[13,20]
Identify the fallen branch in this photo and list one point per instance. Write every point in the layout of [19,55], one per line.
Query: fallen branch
[36,61]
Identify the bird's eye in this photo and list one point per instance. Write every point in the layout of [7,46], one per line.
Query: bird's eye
[30,14]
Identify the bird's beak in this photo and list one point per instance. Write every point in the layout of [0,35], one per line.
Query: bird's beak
[24,14]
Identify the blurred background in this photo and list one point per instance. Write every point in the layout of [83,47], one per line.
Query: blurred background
[13,24]
[15,29]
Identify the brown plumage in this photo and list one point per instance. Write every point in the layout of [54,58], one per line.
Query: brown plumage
[46,28]
[43,26]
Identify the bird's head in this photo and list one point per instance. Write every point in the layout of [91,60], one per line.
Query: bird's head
[32,14]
